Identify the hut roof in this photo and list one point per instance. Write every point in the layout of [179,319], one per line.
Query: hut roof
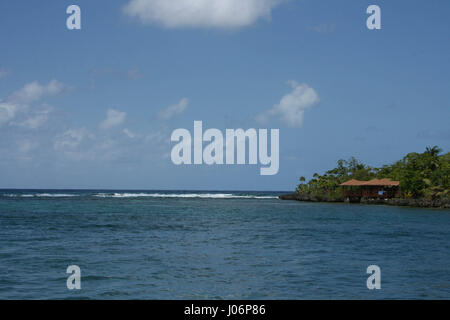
[382,182]
[353,182]
[373,182]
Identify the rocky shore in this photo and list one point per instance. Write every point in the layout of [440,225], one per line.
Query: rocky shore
[419,203]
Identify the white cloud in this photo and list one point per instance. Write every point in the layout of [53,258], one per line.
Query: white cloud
[19,102]
[129,134]
[174,110]
[34,91]
[113,119]
[292,106]
[71,139]
[36,120]
[7,112]
[156,137]
[201,13]
[80,144]
[77,144]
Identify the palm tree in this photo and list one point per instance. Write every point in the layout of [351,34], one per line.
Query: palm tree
[433,154]
[434,151]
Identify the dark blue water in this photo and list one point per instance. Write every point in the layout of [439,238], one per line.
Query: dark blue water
[216,245]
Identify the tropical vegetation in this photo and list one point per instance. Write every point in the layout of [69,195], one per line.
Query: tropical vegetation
[421,175]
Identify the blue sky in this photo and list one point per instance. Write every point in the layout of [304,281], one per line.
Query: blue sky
[90,108]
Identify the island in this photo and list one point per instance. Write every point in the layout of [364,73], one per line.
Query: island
[417,180]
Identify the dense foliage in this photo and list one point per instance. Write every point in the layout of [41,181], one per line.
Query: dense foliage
[421,175]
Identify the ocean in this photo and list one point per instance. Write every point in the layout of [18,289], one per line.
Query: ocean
[216,245]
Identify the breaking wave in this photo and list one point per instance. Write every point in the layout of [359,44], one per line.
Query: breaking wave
[192,195]
[183,195]
[45,195]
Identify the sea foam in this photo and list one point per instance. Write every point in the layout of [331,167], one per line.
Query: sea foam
[181,195]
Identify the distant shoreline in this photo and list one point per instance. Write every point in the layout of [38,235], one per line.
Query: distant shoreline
[399,202]
[94,194]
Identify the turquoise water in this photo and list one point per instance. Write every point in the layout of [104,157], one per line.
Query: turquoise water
[216,245]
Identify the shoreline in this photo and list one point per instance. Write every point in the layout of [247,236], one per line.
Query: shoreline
[398,202]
